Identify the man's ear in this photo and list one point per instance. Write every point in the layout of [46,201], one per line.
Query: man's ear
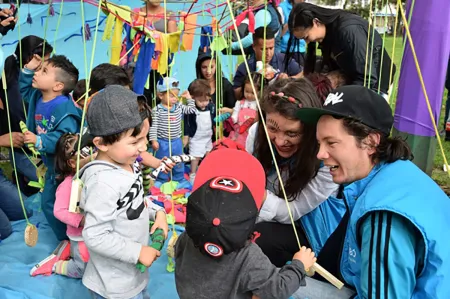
[372,141]
[98,142]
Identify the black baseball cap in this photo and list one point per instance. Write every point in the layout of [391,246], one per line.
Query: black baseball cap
[227,194]
[353,101]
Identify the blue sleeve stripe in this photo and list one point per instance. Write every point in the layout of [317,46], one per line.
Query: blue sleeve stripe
[386,254]
[378,258]
[372,228]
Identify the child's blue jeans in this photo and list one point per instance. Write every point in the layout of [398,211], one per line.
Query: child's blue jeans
[141,295]
[163,151]
[47,204]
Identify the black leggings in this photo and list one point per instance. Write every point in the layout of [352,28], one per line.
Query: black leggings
[278,241]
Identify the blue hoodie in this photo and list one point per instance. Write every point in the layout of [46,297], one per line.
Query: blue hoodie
[65,118]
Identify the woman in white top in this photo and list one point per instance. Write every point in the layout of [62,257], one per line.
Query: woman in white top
[309,187]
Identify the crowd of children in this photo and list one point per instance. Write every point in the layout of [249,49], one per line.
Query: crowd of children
[102,244]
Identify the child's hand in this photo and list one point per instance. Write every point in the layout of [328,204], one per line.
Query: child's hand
[186,95]
[306,256]
[160,222]
[148,255]
[168,166]
[155,145]
[34,63]
[29,137]
[226,110]
[185,141]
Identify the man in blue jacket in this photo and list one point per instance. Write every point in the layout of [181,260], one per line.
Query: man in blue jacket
[393,241]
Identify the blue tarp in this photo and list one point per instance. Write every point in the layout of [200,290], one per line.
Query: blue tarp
[17,259]
[69,38]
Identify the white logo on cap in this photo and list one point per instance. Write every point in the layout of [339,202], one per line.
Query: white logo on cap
[334,98]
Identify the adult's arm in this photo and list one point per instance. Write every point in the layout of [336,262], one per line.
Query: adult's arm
[262,19]
[315,192]
[352,59]
[229,98]
[391,248]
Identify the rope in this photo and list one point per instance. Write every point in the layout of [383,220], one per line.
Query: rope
[422,83]
[382,49]
[57,25]
[367,45]
[371,49]
[393,53]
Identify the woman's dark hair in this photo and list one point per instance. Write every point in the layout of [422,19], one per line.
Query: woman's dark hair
[31,45]
[65,149]
[390,149]
[258,80]
[303,15]
[303,165]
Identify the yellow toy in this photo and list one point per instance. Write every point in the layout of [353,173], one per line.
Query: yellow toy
[24,129]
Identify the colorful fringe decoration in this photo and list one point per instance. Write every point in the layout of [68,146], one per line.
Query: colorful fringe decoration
[87,31]
[29,19]
[51,10]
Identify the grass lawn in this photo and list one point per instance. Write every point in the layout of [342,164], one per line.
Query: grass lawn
[441,177]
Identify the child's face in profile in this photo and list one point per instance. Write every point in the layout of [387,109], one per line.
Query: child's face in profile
[45,78]
[202,101]
[128,148]
[170,97]
[248,92]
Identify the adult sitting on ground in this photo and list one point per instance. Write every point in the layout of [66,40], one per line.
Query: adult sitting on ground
[393,240]
[10,205]
[308,184]
[273,59]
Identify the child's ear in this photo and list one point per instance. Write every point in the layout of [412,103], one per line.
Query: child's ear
[59,86]
[98,142]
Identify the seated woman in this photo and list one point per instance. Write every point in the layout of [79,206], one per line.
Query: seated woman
[308,184]
[24,52]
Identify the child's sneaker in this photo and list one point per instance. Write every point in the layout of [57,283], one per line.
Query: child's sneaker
[45,267]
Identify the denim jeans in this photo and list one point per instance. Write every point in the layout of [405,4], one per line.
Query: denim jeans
[48,202]
[24,165]
[316,289]
[141,295]
[10,206]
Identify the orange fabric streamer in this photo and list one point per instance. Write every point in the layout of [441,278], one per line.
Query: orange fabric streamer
[190,24]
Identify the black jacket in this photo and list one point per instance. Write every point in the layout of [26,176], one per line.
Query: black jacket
[228,97]
[344,49]
[447,80]
[190,121]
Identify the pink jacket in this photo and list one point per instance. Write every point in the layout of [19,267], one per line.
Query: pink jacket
[61,208]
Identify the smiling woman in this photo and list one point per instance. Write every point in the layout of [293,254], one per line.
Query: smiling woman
[308,185]
[343,39]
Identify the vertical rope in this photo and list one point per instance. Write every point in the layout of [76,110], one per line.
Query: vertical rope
[367,44]
[384,3]
[371,48]
[393,52]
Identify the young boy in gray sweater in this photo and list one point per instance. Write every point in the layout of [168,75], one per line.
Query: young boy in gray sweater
[215,257]
[116,229]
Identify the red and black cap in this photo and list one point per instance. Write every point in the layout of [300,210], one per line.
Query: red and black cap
[227,195]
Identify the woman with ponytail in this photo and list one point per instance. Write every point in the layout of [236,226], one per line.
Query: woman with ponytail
[342,37]
[25,50]
[392,242]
